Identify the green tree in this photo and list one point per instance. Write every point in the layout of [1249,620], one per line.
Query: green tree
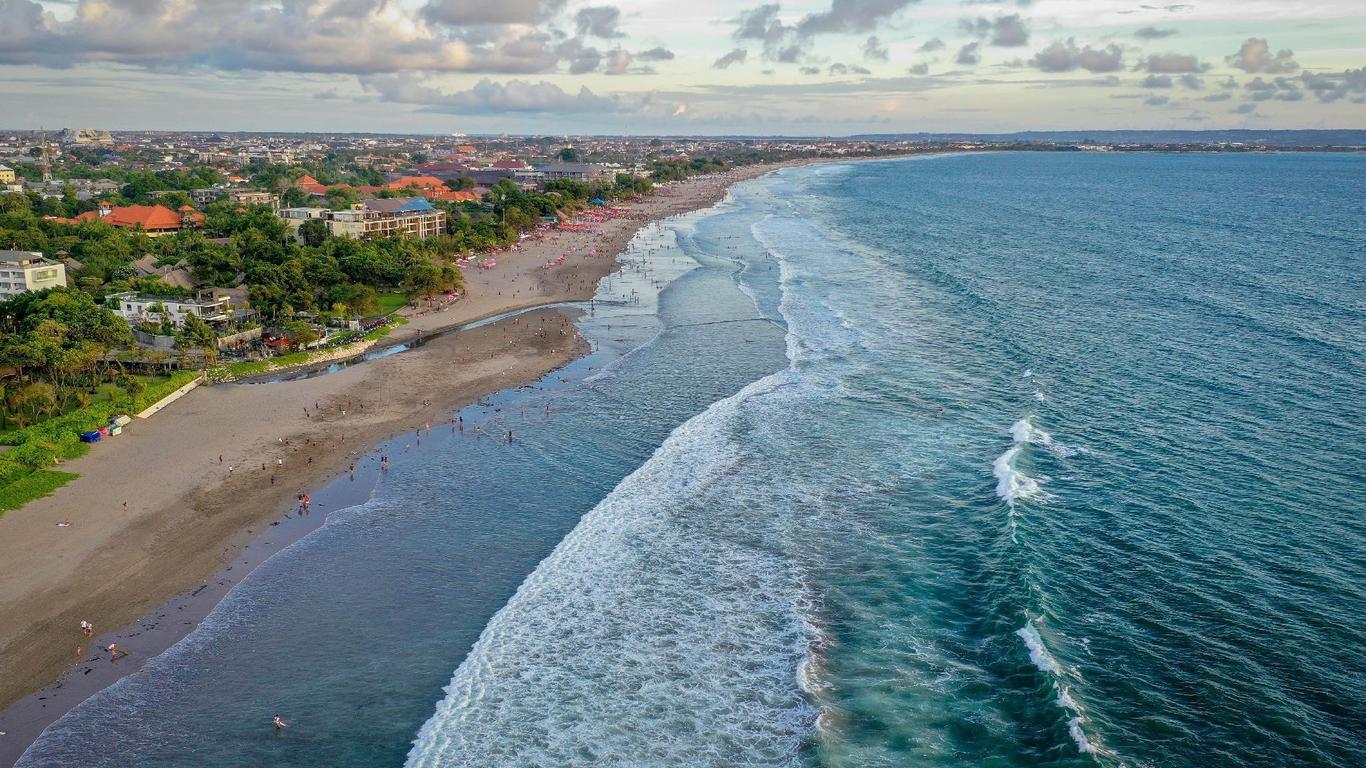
[313,232]
[195,333]
[341,197]
[300,333]
[423,278]
[293,197]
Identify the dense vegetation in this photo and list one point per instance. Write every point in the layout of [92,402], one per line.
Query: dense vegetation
[238,245]
[55,345]
[63,356]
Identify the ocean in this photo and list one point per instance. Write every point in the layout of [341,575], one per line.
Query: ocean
[988,460]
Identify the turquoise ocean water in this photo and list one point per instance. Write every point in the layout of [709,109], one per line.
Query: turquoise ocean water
[989,460]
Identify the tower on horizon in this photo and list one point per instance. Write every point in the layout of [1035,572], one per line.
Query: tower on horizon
[44,161]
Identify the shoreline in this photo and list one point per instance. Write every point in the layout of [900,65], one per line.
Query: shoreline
[198,567]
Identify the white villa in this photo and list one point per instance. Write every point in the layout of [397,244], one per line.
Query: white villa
[137,308]
[23,271]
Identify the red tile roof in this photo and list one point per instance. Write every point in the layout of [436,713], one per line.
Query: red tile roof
[152,218]
[418,182]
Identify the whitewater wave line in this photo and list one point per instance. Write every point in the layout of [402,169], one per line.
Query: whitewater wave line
[488,692]
[1014,485]
[1057,675]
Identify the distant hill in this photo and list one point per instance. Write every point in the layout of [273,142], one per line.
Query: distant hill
[1269,138]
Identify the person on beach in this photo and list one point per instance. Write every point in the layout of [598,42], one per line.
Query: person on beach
[87,628]
[115,652]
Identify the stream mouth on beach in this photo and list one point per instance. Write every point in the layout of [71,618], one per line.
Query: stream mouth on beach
[381,351]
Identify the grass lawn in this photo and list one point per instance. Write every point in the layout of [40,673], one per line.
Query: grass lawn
[30,487]
[390,301]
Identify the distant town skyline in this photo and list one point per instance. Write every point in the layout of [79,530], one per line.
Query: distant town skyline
[821,67]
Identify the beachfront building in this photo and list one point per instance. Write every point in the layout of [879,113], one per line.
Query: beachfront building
[253,197]
[137,309]
[411,217]
[295,217]
[6,174]
[24,271]
[575,171]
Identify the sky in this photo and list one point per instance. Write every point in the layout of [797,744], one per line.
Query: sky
[682,67]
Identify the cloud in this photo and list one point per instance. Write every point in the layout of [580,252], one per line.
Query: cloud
[659,53]
[792,42]
[850,16]
[1153,33]
[736,56]
[874,50]
[1334,86]
[581,58]
[1225,96]
[1277,89]
[931,45]
[918,69]
[460,13]
[489,97]
[1255,56]
[1157,101]
[1191,82]
[1157,81]
[1065,56]
[320,36]
[1003,31]
[969,54]
[598,21]
[1171,64]
[617,62]
[839,69]
[1245,109]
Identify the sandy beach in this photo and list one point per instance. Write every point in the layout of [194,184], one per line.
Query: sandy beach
[157,512]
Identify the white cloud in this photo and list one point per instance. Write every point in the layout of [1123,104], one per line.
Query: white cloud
[487,96]
[1255,56]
